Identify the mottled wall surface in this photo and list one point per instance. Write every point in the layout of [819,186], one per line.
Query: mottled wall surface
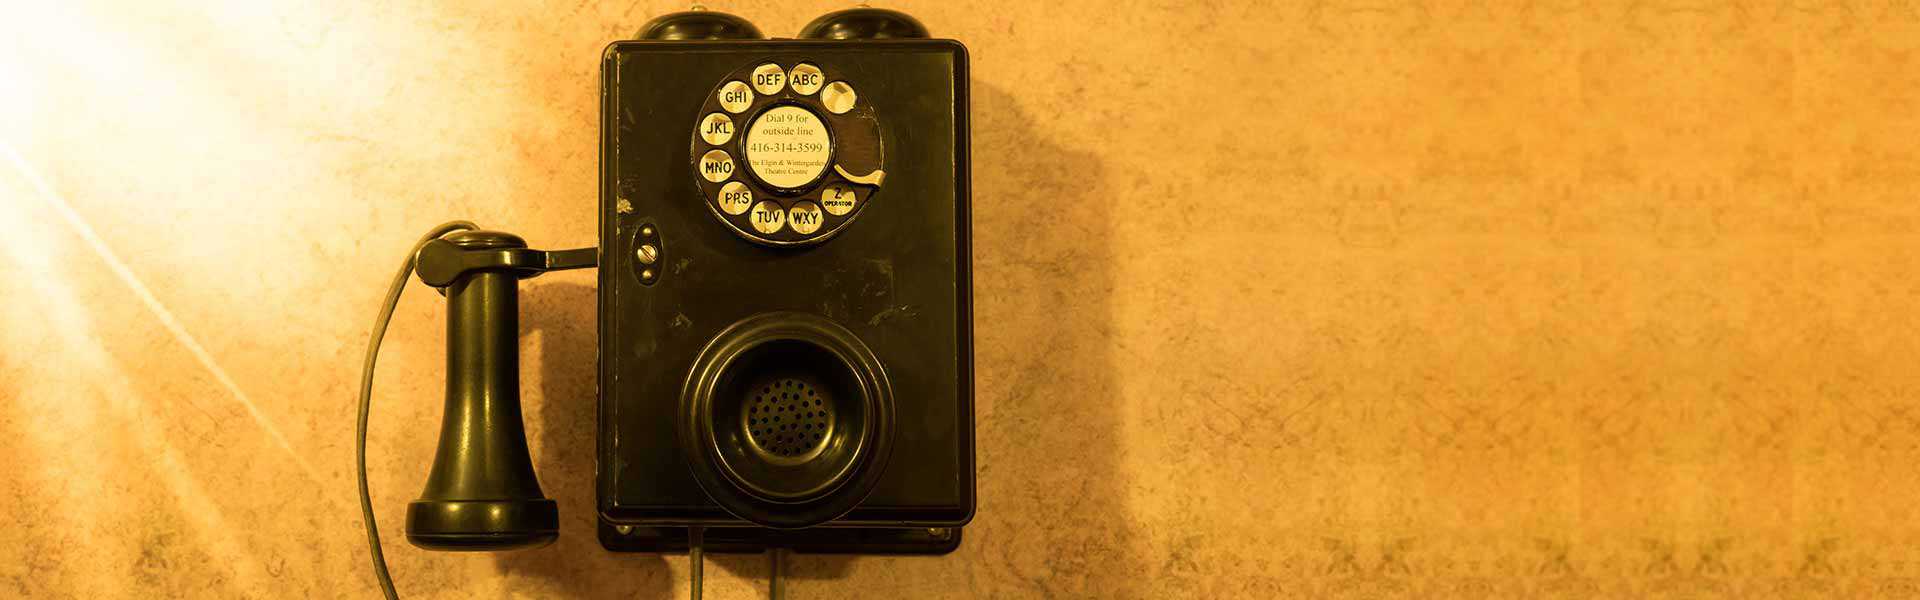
[1337,299]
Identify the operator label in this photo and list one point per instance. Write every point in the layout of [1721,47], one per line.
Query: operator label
[838,200]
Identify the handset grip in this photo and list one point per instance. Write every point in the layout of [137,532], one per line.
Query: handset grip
[482,493]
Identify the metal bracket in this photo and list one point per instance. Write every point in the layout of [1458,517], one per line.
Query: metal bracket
[441,262]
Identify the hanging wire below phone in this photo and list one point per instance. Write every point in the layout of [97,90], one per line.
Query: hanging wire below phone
[366,395]
[696,559]
[696,563]
[774,589]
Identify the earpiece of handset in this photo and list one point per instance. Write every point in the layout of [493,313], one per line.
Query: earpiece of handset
[482,493]
[864,24]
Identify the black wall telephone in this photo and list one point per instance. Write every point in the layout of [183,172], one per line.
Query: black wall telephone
[785,318]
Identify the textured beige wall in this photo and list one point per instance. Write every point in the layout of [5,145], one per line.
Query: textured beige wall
[1343,299]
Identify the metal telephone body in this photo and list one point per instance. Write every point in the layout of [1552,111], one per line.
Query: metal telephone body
[785,318]
[785,295]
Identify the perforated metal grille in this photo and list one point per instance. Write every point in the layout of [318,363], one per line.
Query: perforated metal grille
[788,417]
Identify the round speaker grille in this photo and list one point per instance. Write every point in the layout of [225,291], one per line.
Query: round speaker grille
[789,418]
[786,420]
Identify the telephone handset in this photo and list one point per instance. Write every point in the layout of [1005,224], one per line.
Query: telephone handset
[785,321]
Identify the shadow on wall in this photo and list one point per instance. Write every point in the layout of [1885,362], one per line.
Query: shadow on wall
[1052,519]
